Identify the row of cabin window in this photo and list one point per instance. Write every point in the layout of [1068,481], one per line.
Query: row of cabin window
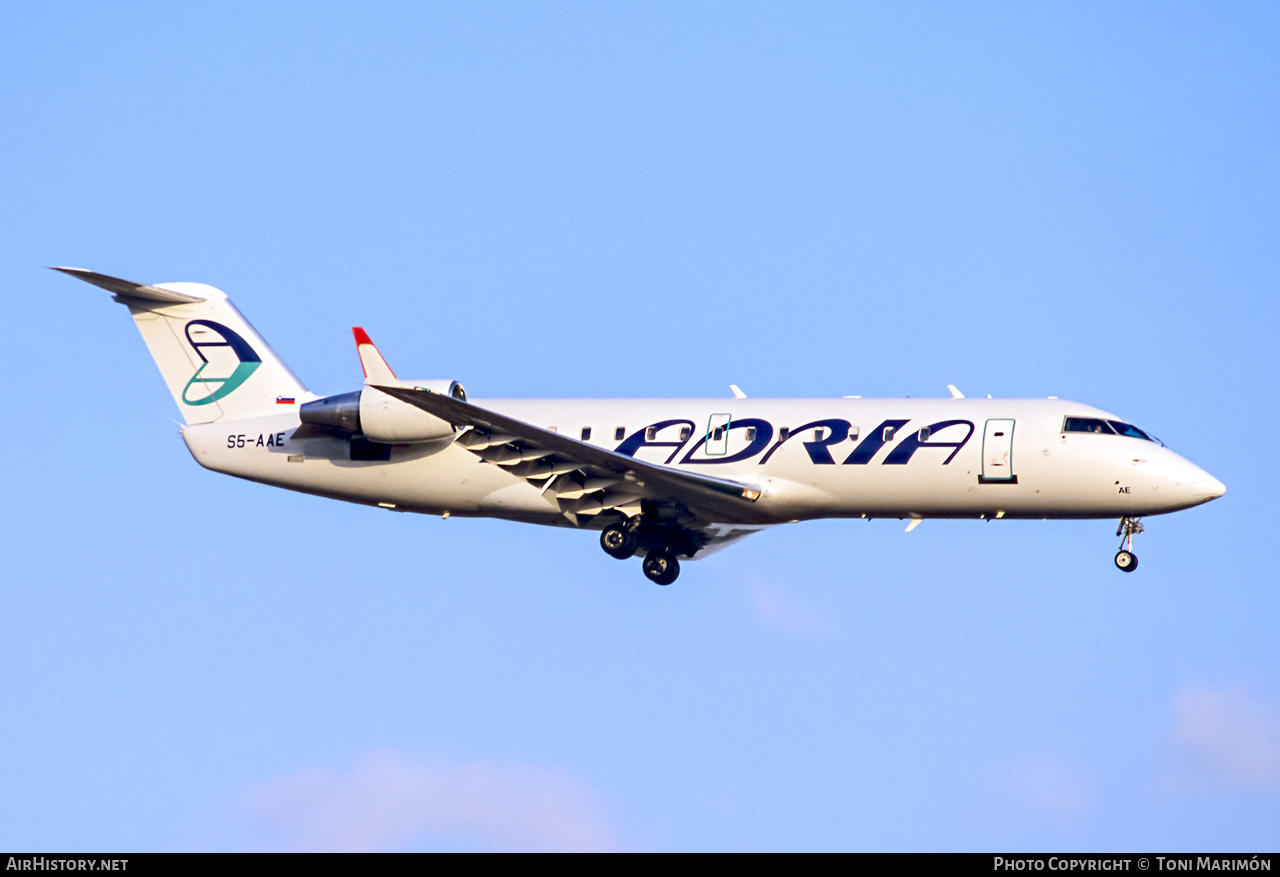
[1070,424]
[717,434]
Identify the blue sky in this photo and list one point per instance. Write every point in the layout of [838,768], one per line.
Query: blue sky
[640,200]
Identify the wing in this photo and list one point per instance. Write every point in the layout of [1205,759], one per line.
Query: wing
[588,481]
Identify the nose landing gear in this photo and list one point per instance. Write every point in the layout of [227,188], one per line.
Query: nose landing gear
[1126,560]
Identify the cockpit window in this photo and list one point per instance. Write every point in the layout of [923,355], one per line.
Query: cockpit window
[1087,424]
[1105,427]
[1130,430]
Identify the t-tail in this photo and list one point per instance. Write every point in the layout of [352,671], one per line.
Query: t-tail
[214,363]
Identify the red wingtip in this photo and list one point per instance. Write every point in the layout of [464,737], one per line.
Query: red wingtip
[362,337]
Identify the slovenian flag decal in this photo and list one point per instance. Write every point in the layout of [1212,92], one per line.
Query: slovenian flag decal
[284,400]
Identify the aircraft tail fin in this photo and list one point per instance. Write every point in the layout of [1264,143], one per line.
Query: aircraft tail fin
[214,363]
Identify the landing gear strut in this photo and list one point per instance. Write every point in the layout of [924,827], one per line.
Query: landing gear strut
[1126,560]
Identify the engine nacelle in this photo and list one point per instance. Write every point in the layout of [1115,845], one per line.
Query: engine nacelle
[381,418]
[385,419]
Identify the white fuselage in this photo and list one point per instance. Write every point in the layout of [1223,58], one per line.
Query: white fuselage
[904,458]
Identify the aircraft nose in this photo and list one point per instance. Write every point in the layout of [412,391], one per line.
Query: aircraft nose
[1213,487]
[1195,485]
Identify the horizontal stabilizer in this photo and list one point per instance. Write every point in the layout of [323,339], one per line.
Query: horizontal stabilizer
[128,288]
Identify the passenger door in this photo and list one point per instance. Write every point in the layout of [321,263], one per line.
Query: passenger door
[997,453]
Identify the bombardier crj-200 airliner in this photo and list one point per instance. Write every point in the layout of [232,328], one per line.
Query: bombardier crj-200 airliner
[661,478]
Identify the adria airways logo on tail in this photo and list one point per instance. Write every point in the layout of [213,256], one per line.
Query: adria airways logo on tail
[228,360]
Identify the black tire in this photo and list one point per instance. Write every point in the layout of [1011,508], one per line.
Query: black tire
[661,567]
[1126,561]
[617,541]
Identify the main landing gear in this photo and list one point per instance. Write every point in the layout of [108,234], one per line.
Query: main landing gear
[617,541]
[661,567]
[1126,560]
[659,541]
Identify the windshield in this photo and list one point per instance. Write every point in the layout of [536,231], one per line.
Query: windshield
[1129,429]
[1087,424]
[1105,427]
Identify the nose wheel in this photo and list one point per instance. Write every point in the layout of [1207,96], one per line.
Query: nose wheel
[1126,560]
